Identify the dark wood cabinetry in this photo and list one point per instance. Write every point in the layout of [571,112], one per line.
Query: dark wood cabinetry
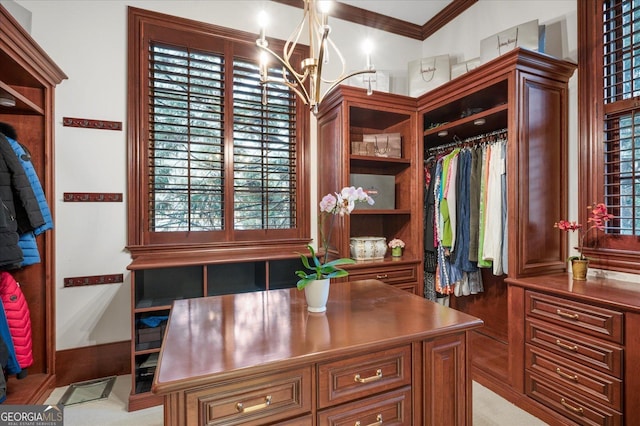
[377,356]
[526,94]
[576,345]
[154,288]
[347,115]
[29,76]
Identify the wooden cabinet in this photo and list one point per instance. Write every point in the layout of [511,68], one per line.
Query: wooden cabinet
[29,76]
[155,287]
[524,93]
[348,115]
[578,348]
[379,355]
[402,274]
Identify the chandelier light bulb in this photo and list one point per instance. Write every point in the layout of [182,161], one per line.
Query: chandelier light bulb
[367,46]
[263,21]
[324,7]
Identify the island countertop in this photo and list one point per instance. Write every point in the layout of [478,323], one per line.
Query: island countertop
[221,334]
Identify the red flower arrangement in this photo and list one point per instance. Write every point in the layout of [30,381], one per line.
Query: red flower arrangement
[598,219]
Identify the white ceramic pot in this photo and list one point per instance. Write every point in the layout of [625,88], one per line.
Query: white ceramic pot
[317,293]
[368,248]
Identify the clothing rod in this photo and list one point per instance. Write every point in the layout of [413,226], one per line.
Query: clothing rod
[460,142]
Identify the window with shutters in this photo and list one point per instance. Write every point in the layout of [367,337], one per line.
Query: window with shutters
[216,160]
[609,116]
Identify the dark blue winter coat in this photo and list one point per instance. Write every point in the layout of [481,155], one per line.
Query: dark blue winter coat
[27,240]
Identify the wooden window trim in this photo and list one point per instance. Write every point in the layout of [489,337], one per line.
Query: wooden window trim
[611,252]
[253,244]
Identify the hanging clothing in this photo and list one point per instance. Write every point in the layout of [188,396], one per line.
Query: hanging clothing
[492,249]
[484,169]
[466,216]
[19,212]
[474,203]
[17,314]
[27,240]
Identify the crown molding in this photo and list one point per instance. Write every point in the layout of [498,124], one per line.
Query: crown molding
[392,25]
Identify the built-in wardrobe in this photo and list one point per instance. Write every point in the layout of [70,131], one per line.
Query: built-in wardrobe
[28,78]
[522,99]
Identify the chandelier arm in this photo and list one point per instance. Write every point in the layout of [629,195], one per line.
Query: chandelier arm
[292,42]
[297,86]
[342,63]
[337,82]
[296,89]
[318,78]
[298,77]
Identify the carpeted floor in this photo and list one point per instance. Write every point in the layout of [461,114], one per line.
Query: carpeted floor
[488,409]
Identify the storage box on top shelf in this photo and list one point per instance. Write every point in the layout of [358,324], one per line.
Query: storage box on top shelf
[528,35]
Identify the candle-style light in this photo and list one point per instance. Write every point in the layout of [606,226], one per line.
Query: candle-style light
[316,19]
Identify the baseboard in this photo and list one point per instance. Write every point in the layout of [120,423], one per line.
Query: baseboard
[93,362]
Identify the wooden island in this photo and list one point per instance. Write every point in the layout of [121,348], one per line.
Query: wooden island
[379,355]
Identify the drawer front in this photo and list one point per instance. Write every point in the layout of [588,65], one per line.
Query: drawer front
[391,408]
[577,347]
[348,379]
[250,400]
[579,409]
[388,274]
[593,320]
[586,381]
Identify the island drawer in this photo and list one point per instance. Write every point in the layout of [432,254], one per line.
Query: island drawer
[577,347]
[593,320]
[392,408]
[276,396]
[351,378]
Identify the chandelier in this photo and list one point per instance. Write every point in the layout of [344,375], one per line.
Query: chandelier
[315,18]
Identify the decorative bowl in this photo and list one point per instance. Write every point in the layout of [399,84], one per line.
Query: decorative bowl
[368,248]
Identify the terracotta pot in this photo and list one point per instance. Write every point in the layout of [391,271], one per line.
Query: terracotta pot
[317,294]
[579,268]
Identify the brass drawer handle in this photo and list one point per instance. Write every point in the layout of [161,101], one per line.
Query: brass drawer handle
[378,421]
[573,348]
[378,376]
[565,375]
[577,410]
[567,315]
[241,409]
[382,277]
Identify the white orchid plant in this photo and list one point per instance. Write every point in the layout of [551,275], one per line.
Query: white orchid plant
[331,205]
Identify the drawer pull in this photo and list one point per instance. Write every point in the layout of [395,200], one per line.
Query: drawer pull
[573,348]
[359,379]
[567,315]
[241,408]
[577,410]
[378,421]
[565,375]
[382,277]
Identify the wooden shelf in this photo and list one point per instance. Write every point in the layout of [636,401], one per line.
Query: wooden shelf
[23,104]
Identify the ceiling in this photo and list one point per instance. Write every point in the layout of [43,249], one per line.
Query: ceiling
[416,19]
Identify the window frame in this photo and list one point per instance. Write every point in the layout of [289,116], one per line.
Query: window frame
[605,251]
[146,25]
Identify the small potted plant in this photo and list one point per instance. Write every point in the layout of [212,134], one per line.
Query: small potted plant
[315,279]
[396,247]
[597,220]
